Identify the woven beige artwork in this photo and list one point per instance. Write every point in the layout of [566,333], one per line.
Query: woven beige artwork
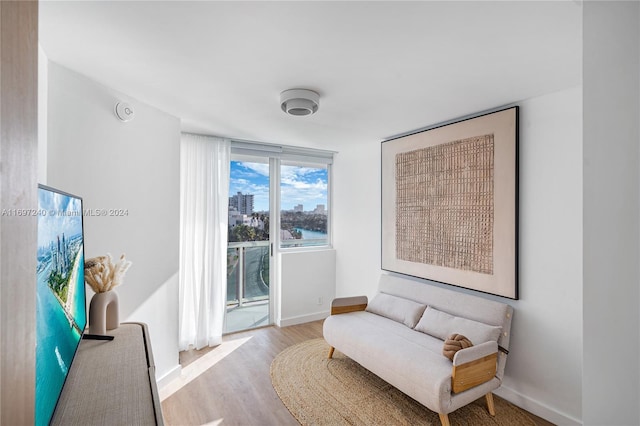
[444,204]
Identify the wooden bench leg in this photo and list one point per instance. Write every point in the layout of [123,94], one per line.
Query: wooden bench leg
[444,419]
[490,406]
[331,352]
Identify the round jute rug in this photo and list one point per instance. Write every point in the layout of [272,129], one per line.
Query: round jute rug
[338,391]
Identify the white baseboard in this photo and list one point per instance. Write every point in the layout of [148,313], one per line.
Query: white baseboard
[174,373]
[285,322]
[536,407]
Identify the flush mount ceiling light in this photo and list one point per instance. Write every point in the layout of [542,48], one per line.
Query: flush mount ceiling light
[299,101]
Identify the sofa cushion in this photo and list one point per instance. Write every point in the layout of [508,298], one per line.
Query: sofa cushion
[441,325]
[396,308]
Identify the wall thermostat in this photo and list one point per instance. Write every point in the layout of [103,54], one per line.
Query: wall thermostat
[124,111]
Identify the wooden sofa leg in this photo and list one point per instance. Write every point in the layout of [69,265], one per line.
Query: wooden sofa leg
[331,352]
[444,419]
[490,406]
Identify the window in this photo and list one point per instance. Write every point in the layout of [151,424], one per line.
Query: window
[304,214]
[282,190]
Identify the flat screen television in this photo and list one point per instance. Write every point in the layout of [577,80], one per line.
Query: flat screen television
[60,295]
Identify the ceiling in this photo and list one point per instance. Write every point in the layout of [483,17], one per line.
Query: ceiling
[381,68]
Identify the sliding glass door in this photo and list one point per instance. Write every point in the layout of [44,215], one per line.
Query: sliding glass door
[279,201]
[249,245]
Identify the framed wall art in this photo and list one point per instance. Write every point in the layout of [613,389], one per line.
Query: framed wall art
[450,203]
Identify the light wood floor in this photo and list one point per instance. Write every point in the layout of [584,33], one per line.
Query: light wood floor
[237,389]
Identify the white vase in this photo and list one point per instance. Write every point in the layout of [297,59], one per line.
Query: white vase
[103,312]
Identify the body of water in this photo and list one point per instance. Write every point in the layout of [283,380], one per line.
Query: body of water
[311,235]
[56,339]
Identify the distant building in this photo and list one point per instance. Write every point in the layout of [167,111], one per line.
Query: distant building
[254,222]
[320,209]
[235,217]
[59,256]
[298,208]
[243,203]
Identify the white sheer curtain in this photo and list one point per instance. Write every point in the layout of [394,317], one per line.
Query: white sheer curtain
[204,204]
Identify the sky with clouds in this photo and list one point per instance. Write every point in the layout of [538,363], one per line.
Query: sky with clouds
[58,214]
[299,185]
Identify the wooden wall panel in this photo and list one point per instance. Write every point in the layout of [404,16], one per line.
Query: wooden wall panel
[18,190]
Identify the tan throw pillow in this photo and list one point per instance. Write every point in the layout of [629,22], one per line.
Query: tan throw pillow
[454,343]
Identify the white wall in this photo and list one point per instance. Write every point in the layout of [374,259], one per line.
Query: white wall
[611,213]
[307,285]
[544,370]
[132,166]
[356,218]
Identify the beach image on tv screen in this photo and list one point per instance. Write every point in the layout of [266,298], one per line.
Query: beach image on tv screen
[60,296]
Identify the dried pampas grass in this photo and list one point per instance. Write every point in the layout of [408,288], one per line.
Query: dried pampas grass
[102,274]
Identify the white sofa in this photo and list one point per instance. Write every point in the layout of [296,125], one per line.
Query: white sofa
[399,336]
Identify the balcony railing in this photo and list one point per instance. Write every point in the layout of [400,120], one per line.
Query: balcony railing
[247,272]
[248,269]
[314,242]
